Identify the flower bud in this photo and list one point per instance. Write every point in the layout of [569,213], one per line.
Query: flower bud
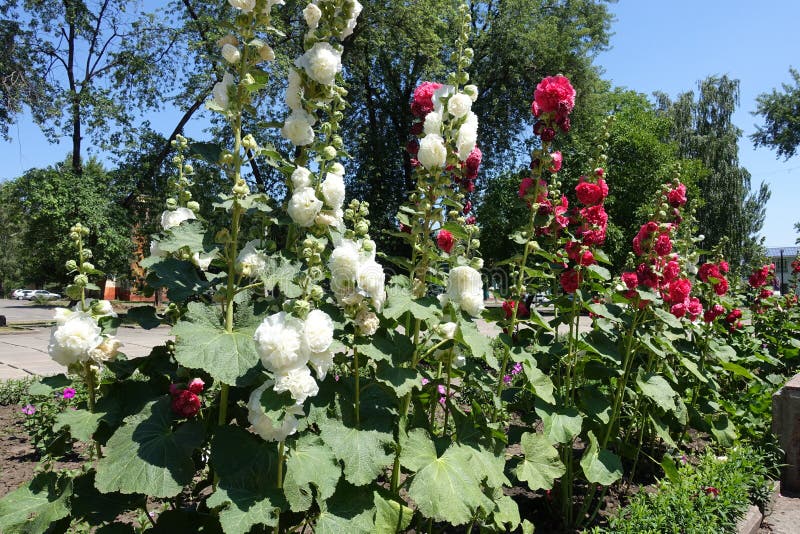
[362,228]
[71,265]
[315,272]
[248,79]
[172,203]
[241,189]
[368,245]
[476,263]
[301,308]
[87,253]
[249,142]
[81,280]
[337,141]
[266,53]
[75,236]
[329,152]
[475,243]
[193,205]
[86,266]
[316,292]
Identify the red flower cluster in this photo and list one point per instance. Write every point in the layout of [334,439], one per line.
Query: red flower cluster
[445,240]
[554,94]
[423,99]
[655,237]
[591,194]
[677,197]
[761,276]
[713,312]
[796,266]
[591,221]
[522,311]
[185,402]
[570,279]
[714,274]
[733,319]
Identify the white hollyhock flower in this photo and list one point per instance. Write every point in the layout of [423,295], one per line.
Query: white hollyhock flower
[318,332]
[203,259]
[265,427]
[448,330]
[367,322]
[321,62]
[294,90]
[432,152]
[440,95]
[106,351]
[336,168]
[301,177]
[220,91]
[372,279]
[322,363]
[251,262]
[351,22]
[466,140]
[231,53]
[472,304]
[459,105]
[298,128]
[298,382]
[62,315]
[279,342]
[173,218]
[312,14]
[471,91]
[333,190]
[329,218]
[465,288]
[304,206]
[245,6]
[71,341]
[433,123]
[344,261]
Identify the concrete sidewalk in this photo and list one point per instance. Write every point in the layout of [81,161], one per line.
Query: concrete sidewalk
[24,353]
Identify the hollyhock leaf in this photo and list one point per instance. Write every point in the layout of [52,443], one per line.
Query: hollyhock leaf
[540,465]
[506,513]
[247,469]
[667,317]
[446,488]
[401,380]
[34,506]
[82,423]
[722,351]
[595,404]
[144,316]
[190,234]
[561,424]
[400,300]
[310,462]
[480,344]
[456,229]
[178,276]
[600,273]
[657,389]
[694,369]
[176,520]
[541,383]
[97,508]
[363,452]
[600,466]
[736,369]
[609,311]
[351,510]
[146,455]
[281,272]
[386,346]
[202,343]
[391,516]
[487,467]
[48,385]
[209,152]
[662,430]
[670,469]
[723,430]
[416,449]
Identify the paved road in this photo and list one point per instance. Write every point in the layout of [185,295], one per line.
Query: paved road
[24,352]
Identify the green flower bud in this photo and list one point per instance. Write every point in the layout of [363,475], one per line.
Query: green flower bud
[188,168]
[316,292]
[328,153]
[86,266]
[81,280]
[362,228]
[193,205]
[475,243]
[71,265]
[75,236]
[301,308]
[315,272]
[241,189]
[337,142]
[307,252]
[249,142]
[87,253]
[368,245]
[172,203]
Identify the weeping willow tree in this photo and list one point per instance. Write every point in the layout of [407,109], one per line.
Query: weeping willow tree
[702,126]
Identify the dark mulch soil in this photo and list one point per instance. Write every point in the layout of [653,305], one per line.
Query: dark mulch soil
[18,458]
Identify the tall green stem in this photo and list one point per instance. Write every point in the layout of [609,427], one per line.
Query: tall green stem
[357,387]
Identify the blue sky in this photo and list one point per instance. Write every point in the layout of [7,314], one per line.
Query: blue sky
[657,45]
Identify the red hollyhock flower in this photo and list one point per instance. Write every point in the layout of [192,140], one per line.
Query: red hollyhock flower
[522,311]
[663,245]
[694,308]
[671,270]
[678,310]
[557,160]
[765,293]
[417,127]
[186,404]
[711,490]
[554,93]
[467,207]
[196,386]
[405,228]
[760,276]
[677,196]
[796,266]
[590,193]
[445,240]
[646,276]
[570,279]
[721,287]
[471,219]
[734,315]
[713,312]
[587,258]
[524,186]
[174,389]
[723,266]
[423,98]
[548,134]
[708,270]
[412,147]
[630,280]
[595,215]
[563,123]
[473,162]
[679,290]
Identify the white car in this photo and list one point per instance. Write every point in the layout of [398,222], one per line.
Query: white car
[21,294]
[42,294]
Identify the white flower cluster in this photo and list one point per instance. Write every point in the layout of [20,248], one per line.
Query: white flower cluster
[77,338]
[251,262]
[355,275]
[465,290]
[264,426]
[449,109]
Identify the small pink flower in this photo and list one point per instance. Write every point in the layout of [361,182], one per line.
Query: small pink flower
[517,369]
[68,393]
[196,386]
[425,381]
[29,409]
[507,379]
[442,400]
[441,389]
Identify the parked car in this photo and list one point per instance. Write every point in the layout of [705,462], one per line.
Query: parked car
[21,294]
[42,294]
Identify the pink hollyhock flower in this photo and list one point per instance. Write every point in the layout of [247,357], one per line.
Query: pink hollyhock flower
[423,98]
[663,245]
[721,287]
[467,207]
[677,197]
[186,404]
[445,240]
[424,381]
[559,210]
[679,290]
[678,310]
[708,270]
[535,109]
[470,220]
[671,270]
[68,393]
[630,280]
[570,279]
[694,308]
[524,186]
[196,386]
[558,159]
[554,93]
[646,276]
[588,193]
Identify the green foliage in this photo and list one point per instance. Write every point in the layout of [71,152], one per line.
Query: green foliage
[13,390]
[52,411]
[779,109]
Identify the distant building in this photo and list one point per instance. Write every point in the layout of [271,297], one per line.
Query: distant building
[782,257]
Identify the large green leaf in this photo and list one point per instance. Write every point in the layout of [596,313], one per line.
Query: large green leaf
[600,466]
[391,516]
[282,272]
[82,423]
[540,382]
[31,508]
[657,389]
[363,452]
[97,508]
[350,510]
[179,277]
[480,344]
[202,343]
[247,487]
[487,467]
[146,455]
[506,513]
[401,380]
[561,424]
[541,464]
[188,234]
[446,488]
[400,300]
[310,463]
[145,316]
[49,385]
[417,449]
[386,346]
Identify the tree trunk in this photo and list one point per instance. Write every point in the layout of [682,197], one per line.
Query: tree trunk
[75,106]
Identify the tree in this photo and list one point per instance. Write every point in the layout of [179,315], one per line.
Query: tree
[781,113]
[14,225]
[704,130]
[54,199]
